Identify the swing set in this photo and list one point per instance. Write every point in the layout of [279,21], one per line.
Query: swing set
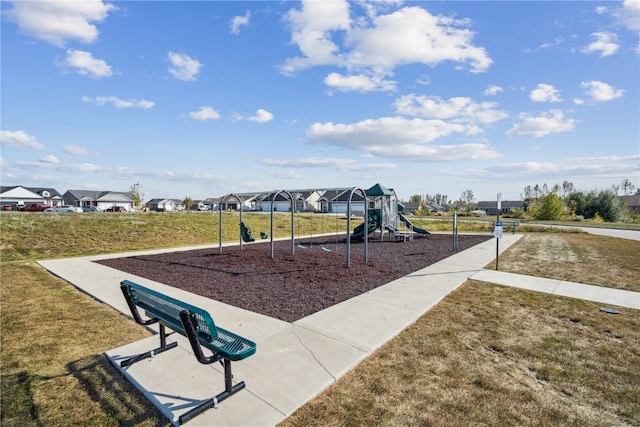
[246,236]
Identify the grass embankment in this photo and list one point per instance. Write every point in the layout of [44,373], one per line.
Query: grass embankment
[487,354]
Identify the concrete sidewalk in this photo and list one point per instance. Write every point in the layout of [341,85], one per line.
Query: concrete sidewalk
[294,361]
[563,288]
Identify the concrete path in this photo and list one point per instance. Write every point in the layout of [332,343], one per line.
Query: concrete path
[613,232]
[295,361]
[599,294]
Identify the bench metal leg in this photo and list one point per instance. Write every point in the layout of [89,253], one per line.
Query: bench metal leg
[163,347]
[229,390]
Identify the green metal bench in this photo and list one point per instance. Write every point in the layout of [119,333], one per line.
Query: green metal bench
[198,326]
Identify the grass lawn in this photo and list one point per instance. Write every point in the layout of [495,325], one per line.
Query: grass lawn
[492,355]
[486,355]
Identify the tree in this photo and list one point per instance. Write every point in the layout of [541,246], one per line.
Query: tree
[188,202]
[422,209]
[604,203]
[627,187]
[438,199]
[467,198]
[552,207]
[567,188]
[136,195]
[416,198]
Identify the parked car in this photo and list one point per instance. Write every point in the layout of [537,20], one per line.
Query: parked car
[35,207]
[90,209]
[116,209]
[64,208]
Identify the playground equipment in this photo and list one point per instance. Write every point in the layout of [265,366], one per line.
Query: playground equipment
[373,223]
[273,199]
[411,226]
[224,199]
[366,240]
[245,232]
[385,216]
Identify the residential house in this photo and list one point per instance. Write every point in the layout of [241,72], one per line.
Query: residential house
[507,206]
[100,199]
[339,204]
[633,202]
[279,200]
[325,202]
[165,205]
[18,195]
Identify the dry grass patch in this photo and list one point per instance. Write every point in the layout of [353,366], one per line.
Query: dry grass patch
[582,258]
[492,355]
[53,370]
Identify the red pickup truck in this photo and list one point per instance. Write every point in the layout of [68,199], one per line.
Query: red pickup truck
[35,207]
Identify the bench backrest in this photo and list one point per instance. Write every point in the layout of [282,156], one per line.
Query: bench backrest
[167,310]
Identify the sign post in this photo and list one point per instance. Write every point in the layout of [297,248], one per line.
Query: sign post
[455,231]
[497,232]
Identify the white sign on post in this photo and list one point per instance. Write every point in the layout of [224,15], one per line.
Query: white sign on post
[498,230]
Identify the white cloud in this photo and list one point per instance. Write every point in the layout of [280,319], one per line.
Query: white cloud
[57,21]
[19,138]
[552,121]
[119,103]
[399,138]
[613,166]
[493,90]
[204,113]
[311,29]
[371,49]
[239,21]
[556,42]
[413,35]
[606,44]
[86,65]
[46,163]
[545,93]
[261,116]
[601,92]
[628,15]
[359,82]
[51,159]
[75,150]
[183,67]
[285,174]
[459,109]
[336,163]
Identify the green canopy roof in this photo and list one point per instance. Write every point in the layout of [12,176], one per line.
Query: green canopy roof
[379,190]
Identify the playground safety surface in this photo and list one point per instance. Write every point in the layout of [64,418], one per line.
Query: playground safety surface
[290,286]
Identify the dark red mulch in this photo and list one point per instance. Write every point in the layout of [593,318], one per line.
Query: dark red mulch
[291,287]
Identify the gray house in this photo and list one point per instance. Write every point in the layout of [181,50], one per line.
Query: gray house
[100,199]
[507,206]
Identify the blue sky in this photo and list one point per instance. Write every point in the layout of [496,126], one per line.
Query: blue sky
[205,98]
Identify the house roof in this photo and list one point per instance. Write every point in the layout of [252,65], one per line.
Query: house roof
[39,191]
[100,195]
[344,197]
